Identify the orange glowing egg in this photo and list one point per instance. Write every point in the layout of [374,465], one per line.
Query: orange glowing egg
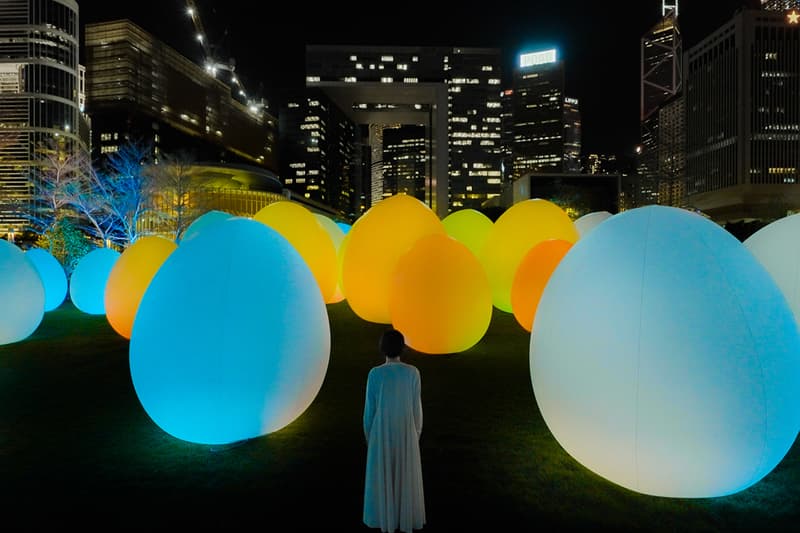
[517,230]
[440,297]
[374,244]
[336,233]
[303,231]
[129,278]
[532,276]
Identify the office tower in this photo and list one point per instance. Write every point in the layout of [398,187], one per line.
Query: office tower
[474,127]
[405,161]
[140,89]
[317,145]
[572,135]
[538,111]
[39,97]
[743,121]
[453,92]
[661,79]
[672,152]
[507,135]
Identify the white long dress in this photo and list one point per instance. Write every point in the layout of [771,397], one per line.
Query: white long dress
[393,492]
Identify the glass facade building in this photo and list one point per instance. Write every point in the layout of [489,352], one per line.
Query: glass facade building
[453,92]
[39,96]
[140,89]
[743,118]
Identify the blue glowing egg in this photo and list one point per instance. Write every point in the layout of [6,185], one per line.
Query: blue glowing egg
[87,284]
[231,339]
[665,358]
[21,295]
[53,277]
[206,219]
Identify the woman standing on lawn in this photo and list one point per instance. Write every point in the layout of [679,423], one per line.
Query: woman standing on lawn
[393,492]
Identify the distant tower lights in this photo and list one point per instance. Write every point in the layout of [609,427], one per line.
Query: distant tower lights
[667,6]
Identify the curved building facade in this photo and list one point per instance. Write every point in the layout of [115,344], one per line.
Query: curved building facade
[39,95]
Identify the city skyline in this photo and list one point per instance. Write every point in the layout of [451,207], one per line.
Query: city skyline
[599,44]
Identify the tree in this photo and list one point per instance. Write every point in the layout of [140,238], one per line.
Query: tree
[66,242]
[113,198]
[57,175]
[177,196]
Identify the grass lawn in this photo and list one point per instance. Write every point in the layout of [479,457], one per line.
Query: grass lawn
[76,447]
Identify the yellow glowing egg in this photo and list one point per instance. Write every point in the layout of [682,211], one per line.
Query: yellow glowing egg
[303,231]
[129,278]
[340,262]
[374,244]
[517,230]
[469,227]
[532,276]
[336,233]
[440,297]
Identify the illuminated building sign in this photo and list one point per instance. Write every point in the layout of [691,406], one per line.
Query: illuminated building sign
[793,17]
[568,100]
[537,58]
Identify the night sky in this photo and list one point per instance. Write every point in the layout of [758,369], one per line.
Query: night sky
[599,41]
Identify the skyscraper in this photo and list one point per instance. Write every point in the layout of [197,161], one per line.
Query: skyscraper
[542,117]
[139,88]
[317,151]
[661,79]
[39,96]
[743,121]
[453,92]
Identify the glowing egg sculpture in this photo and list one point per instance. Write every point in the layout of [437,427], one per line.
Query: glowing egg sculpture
[532,276]
[664,358]
[374,244]
[231,340]
[53,277]
[302,229]
[517,230]
[129,278]
[589,221]
[344,226]
[22,295]
[87,285]
[470,227]
[775,247]
[440,297]
[203,221]
[336,234]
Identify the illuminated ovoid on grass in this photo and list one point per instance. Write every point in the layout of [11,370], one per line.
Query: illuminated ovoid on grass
[129,278]
[336,233]
[664,357]
[87,284]
[777,248]
[206,219]
[532,276]
[469,227]
[22,295]
[516,231]
[231,340]
[374,244]
[589,221]
[53,276]
[440,298]
[302,229]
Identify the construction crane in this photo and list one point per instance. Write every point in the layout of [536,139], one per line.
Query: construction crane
[214,64]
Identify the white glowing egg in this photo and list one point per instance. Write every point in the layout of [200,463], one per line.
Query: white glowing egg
[664,357]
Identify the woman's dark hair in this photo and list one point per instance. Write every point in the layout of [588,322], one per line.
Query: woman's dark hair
[392,343]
